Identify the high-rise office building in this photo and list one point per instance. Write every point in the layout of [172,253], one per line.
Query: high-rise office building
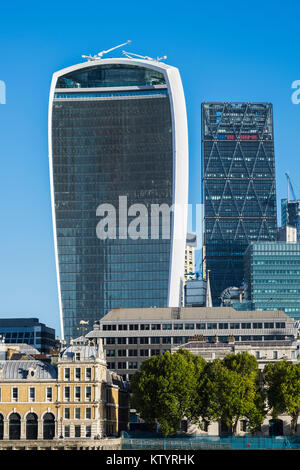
[238,186]
[117,137]
[272,276]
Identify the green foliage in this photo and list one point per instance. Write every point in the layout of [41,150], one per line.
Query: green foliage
[231,391]
[173,386]
[283,390]
[164,388]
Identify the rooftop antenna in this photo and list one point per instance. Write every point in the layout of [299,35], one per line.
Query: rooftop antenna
[100,54]
[129,54]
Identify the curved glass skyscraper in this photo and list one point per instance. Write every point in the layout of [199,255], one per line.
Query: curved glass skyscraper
[117,138]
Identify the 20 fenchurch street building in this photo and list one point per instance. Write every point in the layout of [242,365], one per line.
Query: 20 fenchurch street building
[117,132]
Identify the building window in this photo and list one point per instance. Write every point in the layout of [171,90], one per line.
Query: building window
[133,327]
[122,327]
[246,326]
[177,340]
[145,327]
[88,431]
[155,326]
[110,352]
[122,352]
[67,431]
[111,365]
[189,326]
[77,431]
[178,326]
[77,413]
[132,365]
[49,393]
[88,373]
[132,352]
[77,373]
[144,352]
[121,340]
[77,356]
[121,365]
[268,325]
[257,325]
[167,326]
[77,394]
[200,326]
[14,394]
[155,340]
[110,341]
[275,354]
[155,352]
[67,393]
[67,413]
[88,393]
[234,326]
[166,340]
[132,340]
[67,373]
[88,413]
[144,340]
[31,394]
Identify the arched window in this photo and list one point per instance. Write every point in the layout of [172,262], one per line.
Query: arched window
[14,426]
[31,426]
[1,426]
[48,426]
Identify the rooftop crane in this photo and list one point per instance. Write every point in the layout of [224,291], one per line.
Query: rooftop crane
[145,57]
[100,54]
[290,186]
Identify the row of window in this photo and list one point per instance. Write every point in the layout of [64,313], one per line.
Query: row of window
[192,326]
[78,431]
[78,413]
[49,394]
[78,375]
[182,339]
[31,394]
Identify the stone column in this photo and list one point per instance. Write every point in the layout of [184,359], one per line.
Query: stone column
[40,428]
[23,428]
[5,429]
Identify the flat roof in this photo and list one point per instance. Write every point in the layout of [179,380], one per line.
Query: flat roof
[191,313]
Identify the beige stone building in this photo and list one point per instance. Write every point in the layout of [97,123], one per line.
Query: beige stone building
[76,398]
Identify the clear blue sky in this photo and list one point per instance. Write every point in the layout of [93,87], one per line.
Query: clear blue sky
[226,51]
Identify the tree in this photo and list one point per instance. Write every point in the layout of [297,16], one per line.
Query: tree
[283,390]
[164,390]
[230,391]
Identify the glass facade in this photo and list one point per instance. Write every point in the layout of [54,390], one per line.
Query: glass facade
[106,145]
[272,275]
[27,331]
[238,187]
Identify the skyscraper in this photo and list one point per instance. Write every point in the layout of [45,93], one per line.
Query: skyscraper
[238,186]
[117,131]
[290,214]
[272,276]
